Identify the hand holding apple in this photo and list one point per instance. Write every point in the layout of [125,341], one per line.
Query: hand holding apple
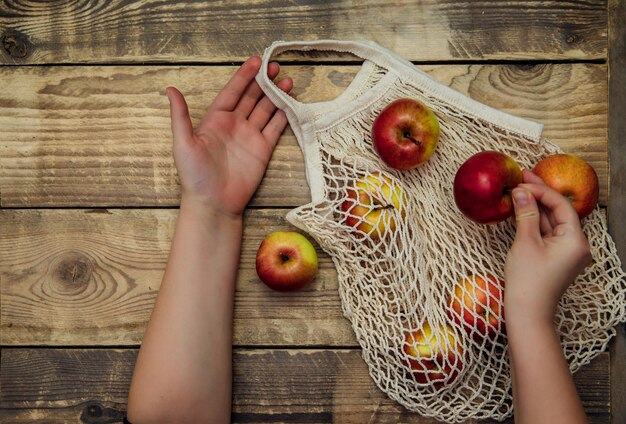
[549,251]
[434,355]
[371,203]
[573,178]
[477,304]
[286,261]
[405,134]
[483,185]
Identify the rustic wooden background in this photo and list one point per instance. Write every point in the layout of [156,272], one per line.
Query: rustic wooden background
[88,190]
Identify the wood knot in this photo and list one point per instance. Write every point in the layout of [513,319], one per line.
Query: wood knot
[93,410]
[572,38]
[96,413]
[16,44]
[73,271]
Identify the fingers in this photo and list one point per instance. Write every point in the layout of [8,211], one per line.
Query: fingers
[228,98]
[557,206]
[531,177]
[253,92]
[179,113]
[275,127]
[265,108]
[527,215]
[545,225]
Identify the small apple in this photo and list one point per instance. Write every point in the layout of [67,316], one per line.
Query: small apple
[371,204]
[477,305]
[286,261]
[433,356]
[483,185]
[573,178]
[405,134]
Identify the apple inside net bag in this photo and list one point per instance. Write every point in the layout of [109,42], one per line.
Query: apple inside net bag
[421,284]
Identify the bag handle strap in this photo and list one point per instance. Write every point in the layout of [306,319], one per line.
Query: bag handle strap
[363,49]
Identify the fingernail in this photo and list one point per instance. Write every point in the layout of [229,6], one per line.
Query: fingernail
[167,93]
[520,197]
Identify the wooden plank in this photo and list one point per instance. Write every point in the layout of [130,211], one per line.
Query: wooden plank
[99,136]
[183,31]
[617,200]
[81,277]
[269,386]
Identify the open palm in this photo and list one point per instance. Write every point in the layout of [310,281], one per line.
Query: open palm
[222,162]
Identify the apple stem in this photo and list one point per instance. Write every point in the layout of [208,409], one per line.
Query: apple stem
[413,139]
[389,206]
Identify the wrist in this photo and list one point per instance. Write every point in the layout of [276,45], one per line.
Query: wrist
[523,323]
[203,210]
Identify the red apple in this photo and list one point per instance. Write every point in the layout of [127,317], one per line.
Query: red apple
[370,205]
[573,178]
[477,305]
[483,185]
[433,356]
[286,261]
[405,134]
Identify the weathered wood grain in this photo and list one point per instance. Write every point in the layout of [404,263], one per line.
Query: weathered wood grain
[183,31]
[89,136]
[617,201]
[81,277]
[269,386]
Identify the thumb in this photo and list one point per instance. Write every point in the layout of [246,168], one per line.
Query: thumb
[527,215]
[179,113]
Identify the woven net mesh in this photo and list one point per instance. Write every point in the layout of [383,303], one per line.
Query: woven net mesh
[401,247]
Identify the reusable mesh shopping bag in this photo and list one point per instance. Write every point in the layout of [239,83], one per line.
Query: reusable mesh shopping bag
[400,245]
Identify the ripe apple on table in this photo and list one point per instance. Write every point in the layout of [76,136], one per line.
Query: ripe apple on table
[433,355]
[286,261]
[405,134]
[371,205]
[477,305]
[483,185]
[573,178]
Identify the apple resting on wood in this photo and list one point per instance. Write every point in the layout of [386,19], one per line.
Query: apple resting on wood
[405,134]
[477,305]
[483,185]
[573,178]
[433,355]
[371,205]
[286,261]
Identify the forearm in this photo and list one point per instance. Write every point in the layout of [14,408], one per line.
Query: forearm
[543,388]
[186,355]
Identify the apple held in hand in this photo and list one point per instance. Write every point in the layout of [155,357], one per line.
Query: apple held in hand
[372,204]
[405,134]
[483,185]
[573,178]
[434,355]
[477,305]
[286,261]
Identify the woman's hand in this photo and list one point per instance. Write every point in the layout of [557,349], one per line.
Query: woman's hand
[222,162]
[549,251]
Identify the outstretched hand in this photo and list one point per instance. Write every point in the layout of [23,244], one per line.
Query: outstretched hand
[548,252]
[222,162]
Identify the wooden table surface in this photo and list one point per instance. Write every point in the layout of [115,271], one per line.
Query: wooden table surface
[89,196]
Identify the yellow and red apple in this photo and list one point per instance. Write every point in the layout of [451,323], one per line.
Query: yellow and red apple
[483,185]
[573,178]
[405,134]
[371,205]
[434,355]
[286,261]
[477,305]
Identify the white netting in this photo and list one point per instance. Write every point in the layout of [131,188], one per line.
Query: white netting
[400,246]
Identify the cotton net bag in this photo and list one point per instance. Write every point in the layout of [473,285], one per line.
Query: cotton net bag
[399,256]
